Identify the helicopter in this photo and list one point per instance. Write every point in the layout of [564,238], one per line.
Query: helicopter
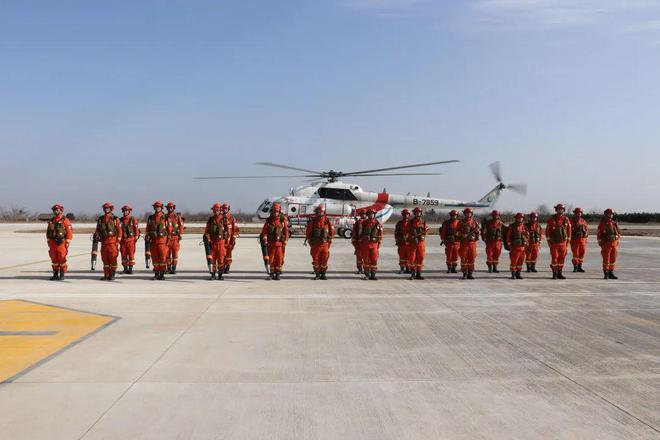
[344,201]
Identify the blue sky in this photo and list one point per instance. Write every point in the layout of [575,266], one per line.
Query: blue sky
[127,101]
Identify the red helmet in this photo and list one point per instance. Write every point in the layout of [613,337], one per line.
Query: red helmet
[405,211]
[576,210]
[495,213]
[170,205]
[108,205]
[467,211]
[417,209]
[126,208]
[216,207]
[453,212]
[520,215]
[559,206]
[320,208]
[57,206]
[276,207]
[157,204]
[226,206]
[533,214]
[608,211]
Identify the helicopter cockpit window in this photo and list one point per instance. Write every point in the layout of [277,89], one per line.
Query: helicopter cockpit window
[265,206]
[336,193]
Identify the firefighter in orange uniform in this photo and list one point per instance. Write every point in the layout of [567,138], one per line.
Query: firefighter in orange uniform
[58,235]
[370,237]
[418,231]
[319,233]
[232,224]
[608,238]
[176,222]
[535,234]
[109,234]
[579,235]
[130,232]
[492,231]
[517,240]
[217,234]
[402,238]
[361,216]
[468,233]
[157,235]
[275,235]
[558,234]
[450,240]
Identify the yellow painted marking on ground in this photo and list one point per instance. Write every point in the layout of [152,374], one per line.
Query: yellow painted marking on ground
[41,261]
[31,333]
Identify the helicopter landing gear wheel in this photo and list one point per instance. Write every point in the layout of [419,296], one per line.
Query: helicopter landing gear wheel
[346,233]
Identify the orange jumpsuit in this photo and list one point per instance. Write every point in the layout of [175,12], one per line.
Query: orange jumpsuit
[608,238]
[275,234]
[173,244]
[59,234]
[217,233]
[371,235]
[109,233]
[158,232]
[579,234]
[517,239]
[231,242]
[402,240]
[492,230]
[319,233]
[558,232]
[535,234]
[130,231]
[451,242]
[418,230]
[355,240]
[468,233]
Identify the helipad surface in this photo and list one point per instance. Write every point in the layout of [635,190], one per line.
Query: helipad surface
[344,358]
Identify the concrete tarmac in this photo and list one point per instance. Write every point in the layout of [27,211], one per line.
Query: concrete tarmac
[345,358]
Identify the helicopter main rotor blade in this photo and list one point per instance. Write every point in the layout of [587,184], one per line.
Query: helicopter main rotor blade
[251,177]
[287,167]
[495,168]
[355,173]
[397,174]
[519,188]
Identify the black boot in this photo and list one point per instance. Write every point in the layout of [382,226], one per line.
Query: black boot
[125,269]
[529,268]
[418,275]
[162,275]
[453,269]
[518,275]
[513,275]
[61,275]
[606,274]
[579,268]
[56,275]
[534,268]
[212,276]
[130,270]
[490,268]
[469,275]
[277,276]
[560,275]
[495,269]
[317,275]
[413,273]
[554,274]
[612,276]
[373,275]
[173,269]
[402,269]
[220,275]
[465,275]
[111,277]
[407,270]
[449,268]
[226,269]
[575,268]
[323,277]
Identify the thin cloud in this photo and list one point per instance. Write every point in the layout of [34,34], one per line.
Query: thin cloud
[385,5]
[645,26]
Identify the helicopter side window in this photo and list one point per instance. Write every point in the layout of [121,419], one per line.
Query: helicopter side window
[336,194]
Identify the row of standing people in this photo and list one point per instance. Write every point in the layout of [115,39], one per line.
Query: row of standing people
[459,236]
